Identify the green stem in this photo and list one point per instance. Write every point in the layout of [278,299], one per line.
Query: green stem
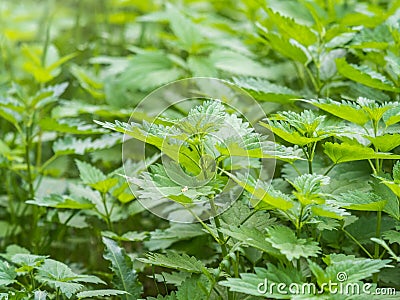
[357,242]
[108,218]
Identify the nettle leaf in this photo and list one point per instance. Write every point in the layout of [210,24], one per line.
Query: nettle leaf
[166,144]
[100,293]
[253,238]
[287,47]
[345,152]
[386,142]
[345,110]
[392,236]
[188,35]
[237,63]
[263,90]
[355,268]
[374,109]
[308,188]
[249,283]
[358,200]
[149,70]
[194,288]
[162,239]
[175,261]
[290,28]
[73,145]
[365,75]
[300,128]
[203,119]
[284,239]
[62,201]
[59,275]
[7,273]
[72,126]
[392,116]
[94,177]
[264,194]
[125,276]
[161,183]
[27,262]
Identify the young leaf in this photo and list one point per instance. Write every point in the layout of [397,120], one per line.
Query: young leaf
[121,264]
[7,274]
[345,152]
[365,76]
[284,239]
[175,261]
[357,200]
[61,202]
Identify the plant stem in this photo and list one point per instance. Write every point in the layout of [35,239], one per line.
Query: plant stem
[357,242]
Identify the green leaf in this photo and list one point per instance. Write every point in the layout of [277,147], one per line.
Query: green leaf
[237,63]
[262,192]
[358,200]
[162,239]
[353,268]
[194,288]
[392,236]
[72,126]
[284,239]
[61,202]
[386,142]
[7,274]
[59,275]
[251,237]
[88,173]
[121,264]
[365,76]
[73,145]
[345,110]
[175,261]
[345,152]
[308,188]
[288,27]
[100,293]
[250,283]
[288,48]
[263,90]
[88,81]
[188,35]
[27,262]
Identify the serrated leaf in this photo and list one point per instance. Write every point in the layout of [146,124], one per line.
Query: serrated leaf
[358,200]
[289,27]
[100,293]
[262,193]
[175,261]
[122,266]
[253,238]
[254,284]
[344,152]
[7,274]
[59,275]
[386,142]
[162,239]
[287,47]
[308,188]
[61,202]
[72,126]
[194,288]
[345,110]
[284,239]
[355,269]
[364,75]
[89,174]
[392,236]
[263,90]
[73,145]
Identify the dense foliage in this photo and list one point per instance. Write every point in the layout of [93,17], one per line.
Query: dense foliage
[325,73]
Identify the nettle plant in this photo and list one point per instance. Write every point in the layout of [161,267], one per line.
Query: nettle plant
[282,232]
